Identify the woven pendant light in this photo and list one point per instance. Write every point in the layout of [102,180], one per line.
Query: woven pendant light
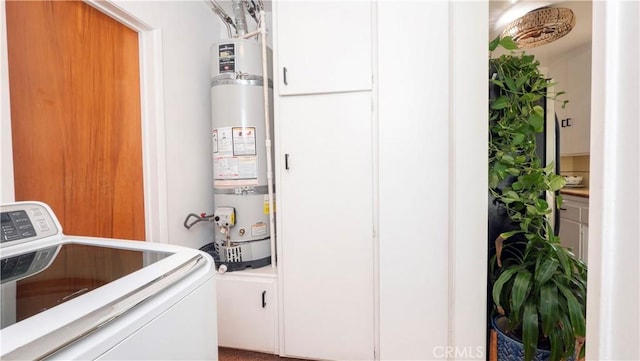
[540,26]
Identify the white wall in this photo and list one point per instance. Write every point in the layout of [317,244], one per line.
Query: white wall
[187,28]
[572,73]
[414,178]
[184,31]
[613,289]
[432,123]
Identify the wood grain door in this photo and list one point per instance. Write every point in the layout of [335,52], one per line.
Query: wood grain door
[75,114]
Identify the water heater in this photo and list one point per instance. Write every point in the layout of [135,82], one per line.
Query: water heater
[241,202]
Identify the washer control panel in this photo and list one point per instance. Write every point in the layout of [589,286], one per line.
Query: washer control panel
[26,221]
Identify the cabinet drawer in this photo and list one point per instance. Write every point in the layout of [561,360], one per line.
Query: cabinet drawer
[569,211]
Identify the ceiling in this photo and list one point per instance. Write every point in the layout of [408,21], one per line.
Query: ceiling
[501,12]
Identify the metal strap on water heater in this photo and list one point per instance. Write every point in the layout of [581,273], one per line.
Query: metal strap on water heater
[253,80]
[253,190]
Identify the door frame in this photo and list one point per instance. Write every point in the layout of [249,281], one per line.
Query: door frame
[7,193]
[151,117]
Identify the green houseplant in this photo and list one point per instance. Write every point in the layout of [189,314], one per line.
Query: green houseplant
[538,285]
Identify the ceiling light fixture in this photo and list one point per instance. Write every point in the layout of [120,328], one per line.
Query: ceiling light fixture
[540,26]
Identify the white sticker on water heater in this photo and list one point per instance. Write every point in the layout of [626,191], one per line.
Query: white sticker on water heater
[259,229]
[235,160]
[214,140]
[224,141]
[244,140]
[234,171]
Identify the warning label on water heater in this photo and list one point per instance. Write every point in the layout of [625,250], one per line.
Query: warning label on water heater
[227,58]
[259,229]
[234,156]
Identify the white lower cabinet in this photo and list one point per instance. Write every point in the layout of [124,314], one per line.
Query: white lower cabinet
[574,225]
[247,310]
[585,242]
[570,235]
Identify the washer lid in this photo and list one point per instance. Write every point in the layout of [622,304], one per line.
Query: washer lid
[88,284]
[50,276]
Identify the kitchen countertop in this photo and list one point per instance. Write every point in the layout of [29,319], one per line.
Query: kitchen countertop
[579,192]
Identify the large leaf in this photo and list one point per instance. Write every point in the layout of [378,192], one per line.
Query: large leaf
[512,195]
[521,81]
[497,82]
[537,122]
[511,84]
[538,110]
[508,43]
[556,182]
[557,346]
[520,289]
[558,201]
[494,43]
[494,179]
[507,159]
[504,277]
[530,330]
[499,243]
[530,97]
[575,310]
[518,138]
[550,167]
[568,338]
[513,171]
[500,103]
[561,255]
[546,269]
[542,206]
[548,307]
[507,235]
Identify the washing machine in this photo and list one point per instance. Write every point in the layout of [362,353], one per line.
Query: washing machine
[70,297]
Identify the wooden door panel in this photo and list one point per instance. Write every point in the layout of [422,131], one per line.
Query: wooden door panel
[75,113]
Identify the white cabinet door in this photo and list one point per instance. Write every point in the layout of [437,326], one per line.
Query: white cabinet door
[247,312]
[326,230]
[574,225]
[322,46]
[585,244]
[584,240]
[570,235]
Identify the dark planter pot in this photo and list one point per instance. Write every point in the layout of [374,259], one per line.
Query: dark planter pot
[510,349]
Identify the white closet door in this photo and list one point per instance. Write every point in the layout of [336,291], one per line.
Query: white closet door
[323,46]
[326,226]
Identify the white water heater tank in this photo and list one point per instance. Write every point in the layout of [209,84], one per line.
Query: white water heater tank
[239,153]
